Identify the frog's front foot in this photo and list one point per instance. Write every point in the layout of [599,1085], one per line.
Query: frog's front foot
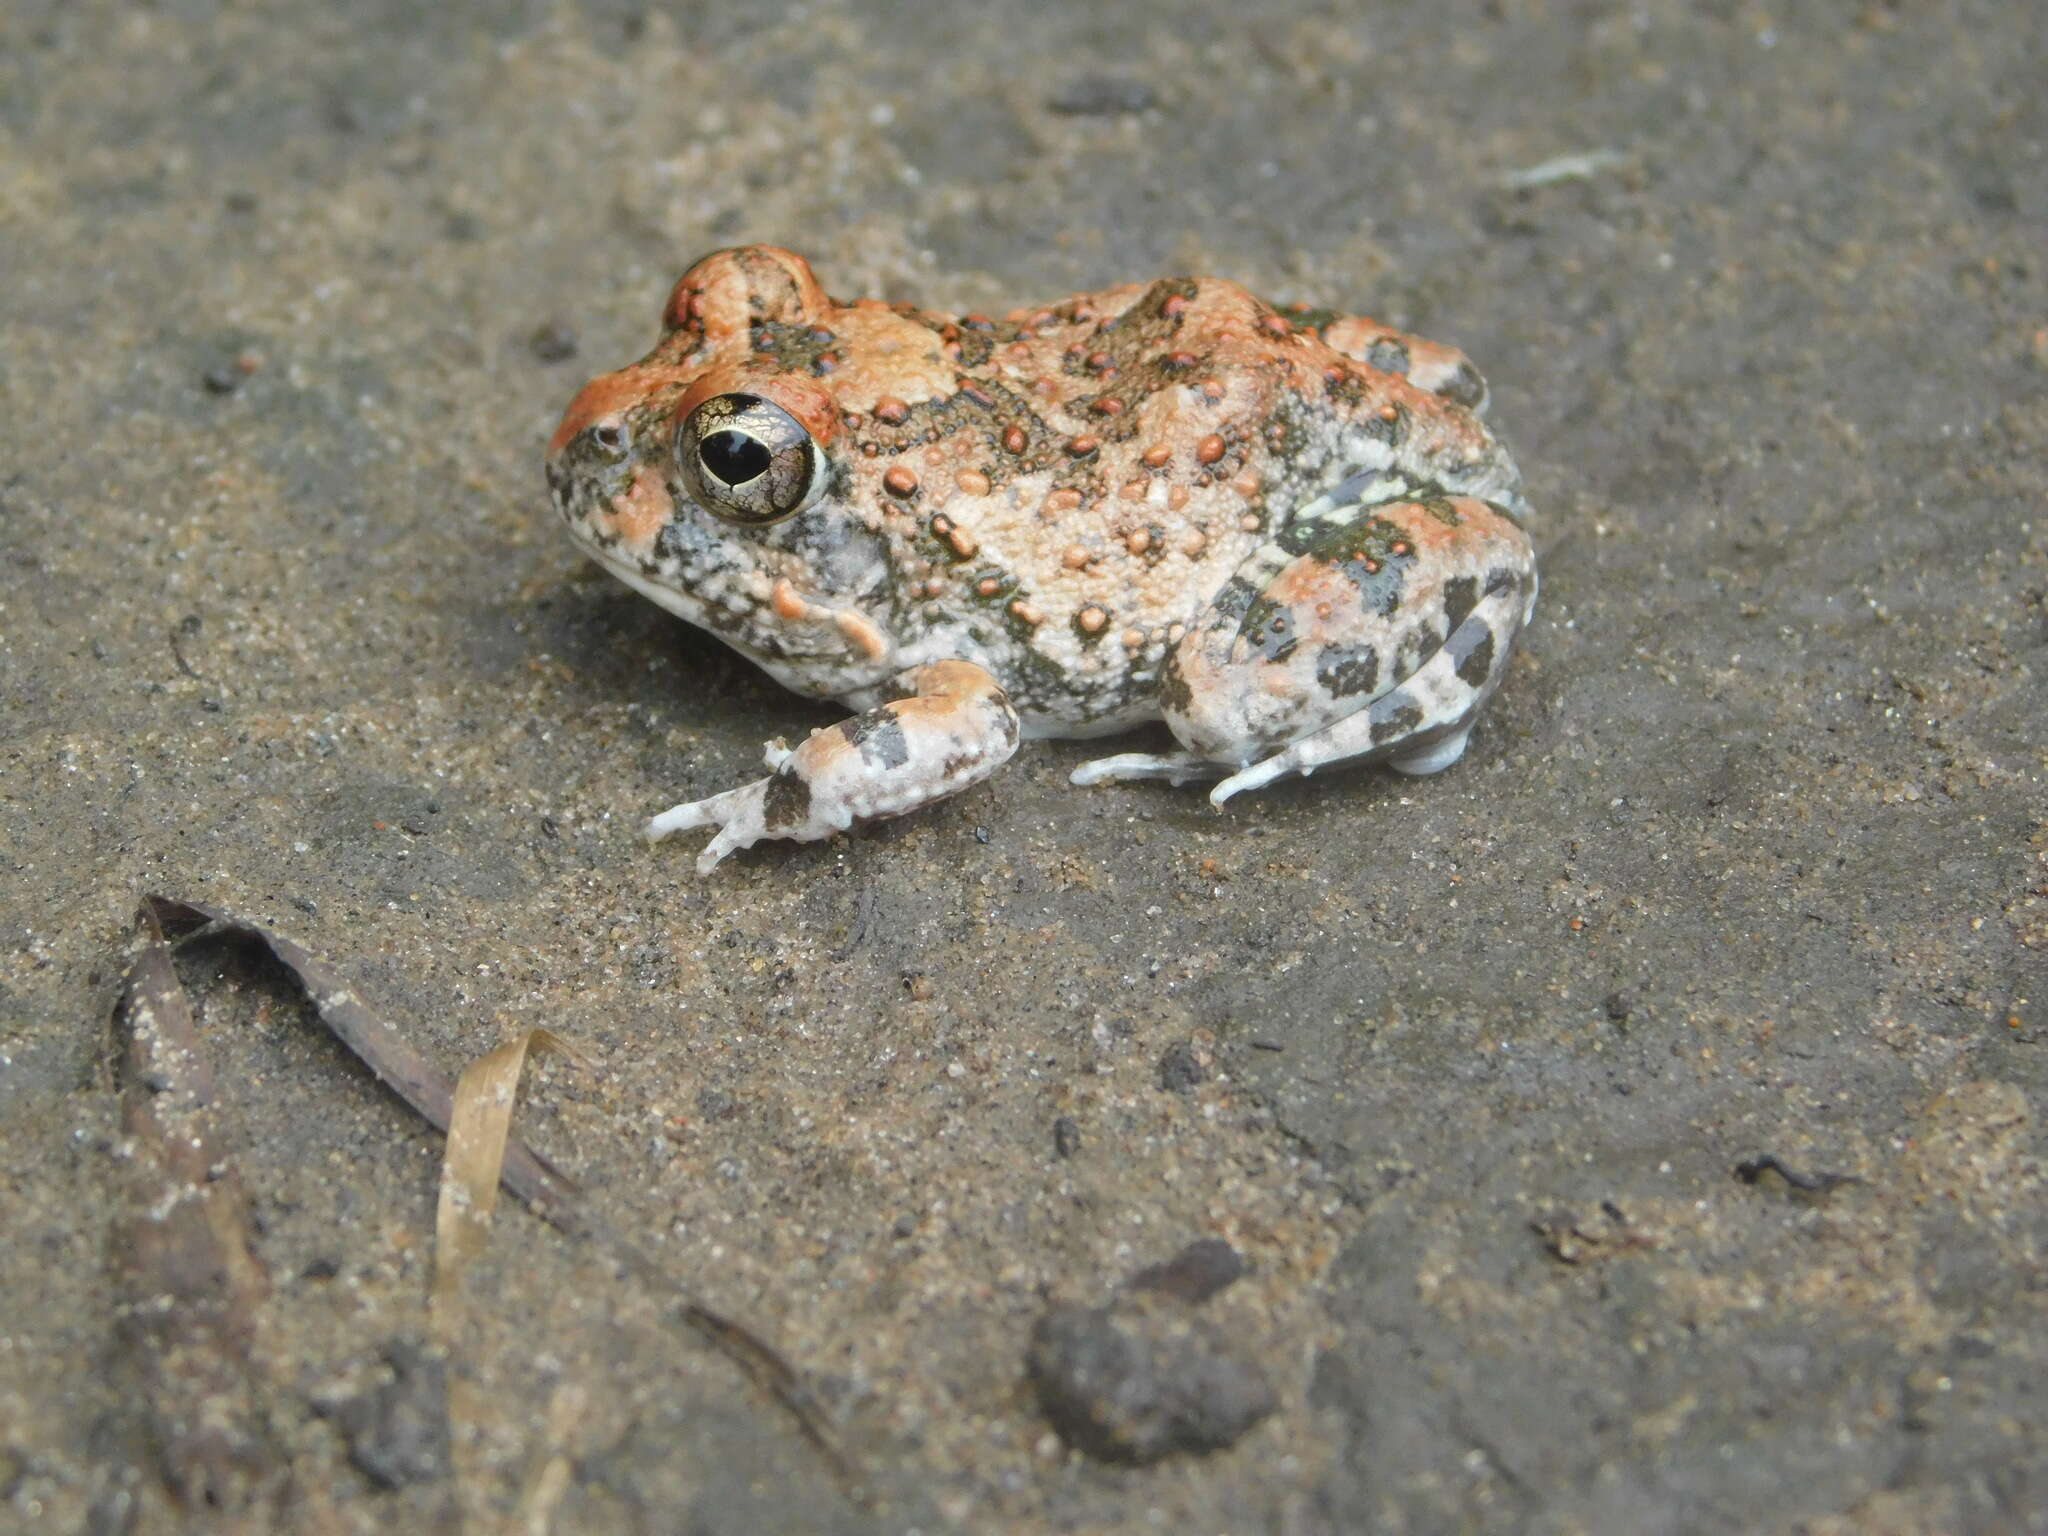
[954,729]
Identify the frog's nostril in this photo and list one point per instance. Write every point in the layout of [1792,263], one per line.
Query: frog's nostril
[609,436]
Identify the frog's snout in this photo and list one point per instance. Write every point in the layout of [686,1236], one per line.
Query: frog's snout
[591,459]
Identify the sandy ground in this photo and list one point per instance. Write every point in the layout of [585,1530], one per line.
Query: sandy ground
[1749,858]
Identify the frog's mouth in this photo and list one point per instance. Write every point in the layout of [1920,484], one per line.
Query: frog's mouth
[784,628]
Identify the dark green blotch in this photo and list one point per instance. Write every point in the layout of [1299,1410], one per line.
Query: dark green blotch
[1347,670]
[1175,696]
[1233,601]
[788,801]
[1400,722]
[1473,670]
[1381,589]
[1388,354]
[1461,596]
[879,738]
[1269,629]
[1465,386]
[975,346]
[1002,718]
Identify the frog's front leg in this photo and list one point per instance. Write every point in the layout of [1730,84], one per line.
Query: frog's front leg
[954,728]
[1372,628]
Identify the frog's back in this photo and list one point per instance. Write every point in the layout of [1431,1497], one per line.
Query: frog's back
[1111,461]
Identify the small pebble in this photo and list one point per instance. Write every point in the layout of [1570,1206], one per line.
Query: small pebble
[1066,1136]
[1196,1273]
[552,342]
[1180,1069]
[1102,96]
[397,1429]
[1134,1383]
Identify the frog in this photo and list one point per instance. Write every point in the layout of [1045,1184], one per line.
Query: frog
[1287,533]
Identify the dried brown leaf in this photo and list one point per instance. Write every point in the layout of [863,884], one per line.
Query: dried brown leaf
[542,1187]
[188,1275]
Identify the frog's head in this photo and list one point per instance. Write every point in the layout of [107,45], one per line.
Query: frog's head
[713,476]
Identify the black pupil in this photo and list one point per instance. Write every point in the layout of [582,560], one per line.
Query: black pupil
[733,456]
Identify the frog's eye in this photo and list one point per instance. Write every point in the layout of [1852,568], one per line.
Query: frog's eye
[748,461]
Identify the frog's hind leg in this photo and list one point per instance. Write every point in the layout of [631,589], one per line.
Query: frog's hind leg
[1372,629]
[1420,726]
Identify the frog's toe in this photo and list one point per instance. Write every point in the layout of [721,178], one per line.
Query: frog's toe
[1175,767]
[1258,776]
[713,811]
[731,838]
[741,816]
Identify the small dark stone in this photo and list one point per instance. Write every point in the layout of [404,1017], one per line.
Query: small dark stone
[1618,1005]
[397,1429]
[1194,1274]
[553,342]
[323,1268]
[1800,1182]
[716,1104]
[1102,96]
[224,380]
[307,905]
[906,1226]
[1133,1383]
[981,834]
[1066,1136]
[549,827]
[1180,1068]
